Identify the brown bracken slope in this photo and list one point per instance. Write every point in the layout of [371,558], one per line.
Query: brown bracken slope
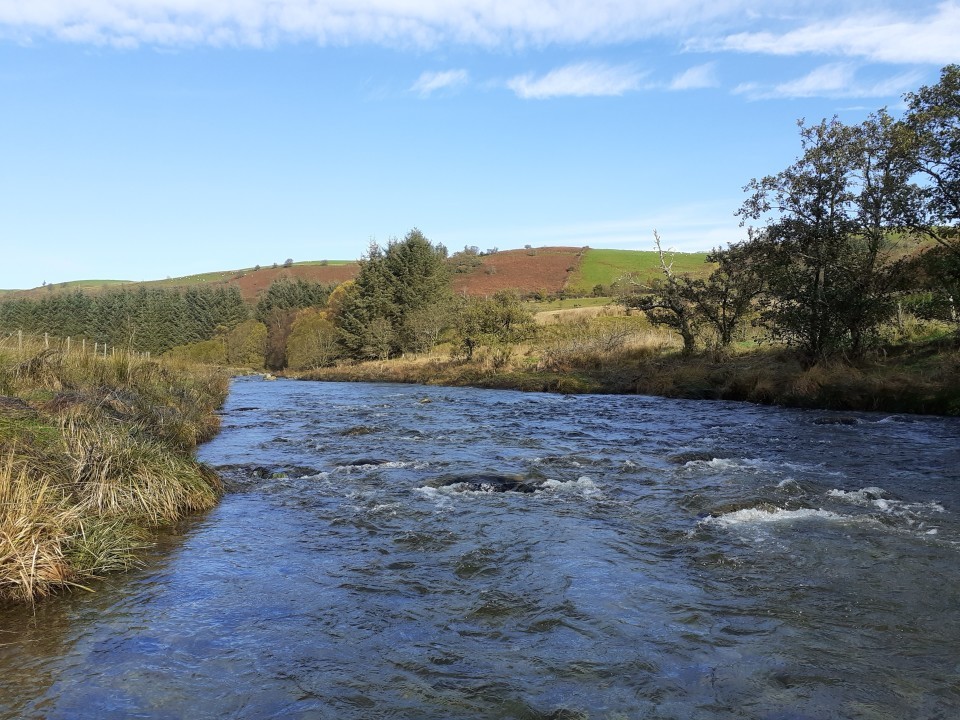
[254,282]
[527,271]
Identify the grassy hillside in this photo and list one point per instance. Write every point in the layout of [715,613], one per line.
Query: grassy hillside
[251,281]
[529,270]
[605,267]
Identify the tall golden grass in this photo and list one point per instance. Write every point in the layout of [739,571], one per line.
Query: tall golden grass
[611,354]
[93,452]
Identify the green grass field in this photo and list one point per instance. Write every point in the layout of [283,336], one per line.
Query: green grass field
[172,282]
[87,284]
[604,267]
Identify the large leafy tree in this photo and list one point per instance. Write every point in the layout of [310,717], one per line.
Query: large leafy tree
[933,137]
[312,342]
[499,320]
[824,251]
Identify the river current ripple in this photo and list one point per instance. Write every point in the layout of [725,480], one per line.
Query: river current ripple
[674,559]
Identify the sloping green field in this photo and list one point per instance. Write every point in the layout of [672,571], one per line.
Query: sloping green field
[221,276]
[605,267]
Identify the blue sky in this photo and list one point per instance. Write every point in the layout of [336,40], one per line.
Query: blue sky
[141,139]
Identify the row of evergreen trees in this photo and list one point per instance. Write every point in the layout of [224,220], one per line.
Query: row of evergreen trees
[144,319]
[155,319]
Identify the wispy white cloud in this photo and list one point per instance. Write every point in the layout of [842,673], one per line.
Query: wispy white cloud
[701,76]
[430,82]
[925,31]
[412,23]
[835,80]
[579,80]
[881,37]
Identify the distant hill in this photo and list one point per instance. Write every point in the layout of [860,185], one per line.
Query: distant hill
[251,281]
[578,270]
[529,270]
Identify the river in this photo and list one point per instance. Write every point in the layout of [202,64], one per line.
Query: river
[647,558]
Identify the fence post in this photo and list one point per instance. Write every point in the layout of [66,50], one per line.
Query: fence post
[68,344]
[19,341]
[46,341]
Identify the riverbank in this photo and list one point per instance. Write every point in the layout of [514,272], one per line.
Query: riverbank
[94,453]
[921,379]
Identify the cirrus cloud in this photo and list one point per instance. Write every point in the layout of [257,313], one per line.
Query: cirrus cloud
[403,23]
[835,80]
[579,80]
[431,82]
[880,37]
[701,76]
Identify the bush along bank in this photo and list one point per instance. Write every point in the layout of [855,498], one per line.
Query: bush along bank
[94,454]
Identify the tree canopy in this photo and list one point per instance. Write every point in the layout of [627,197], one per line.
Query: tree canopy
[400,297]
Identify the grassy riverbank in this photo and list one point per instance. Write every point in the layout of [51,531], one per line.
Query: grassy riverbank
[921,378]
[93,454]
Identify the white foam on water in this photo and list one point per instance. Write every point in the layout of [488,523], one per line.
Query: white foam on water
[385,508]
[873,497]
[583,485]
[393,465]
[863,496]
[715,463]
[753,516]
[441,497]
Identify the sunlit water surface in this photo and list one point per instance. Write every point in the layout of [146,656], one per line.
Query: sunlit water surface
[676,559]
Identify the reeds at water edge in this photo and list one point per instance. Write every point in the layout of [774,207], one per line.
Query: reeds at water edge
[94,452]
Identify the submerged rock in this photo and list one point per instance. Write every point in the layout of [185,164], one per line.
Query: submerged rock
[491,482]
[359,430]
[241,474]
[841,420]
[682,458]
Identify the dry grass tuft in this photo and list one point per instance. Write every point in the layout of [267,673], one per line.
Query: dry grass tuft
[94,452]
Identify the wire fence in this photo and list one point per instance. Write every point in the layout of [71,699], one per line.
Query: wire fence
[29,343]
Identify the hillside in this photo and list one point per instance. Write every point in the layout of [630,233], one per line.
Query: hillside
[546,270]
[605,267]
[251,281]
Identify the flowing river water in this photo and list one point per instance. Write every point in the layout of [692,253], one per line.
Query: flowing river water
[413,552]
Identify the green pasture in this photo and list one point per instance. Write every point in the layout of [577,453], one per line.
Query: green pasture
[605,267]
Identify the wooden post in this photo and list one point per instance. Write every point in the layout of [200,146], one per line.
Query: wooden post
[19,341]
[46,341]
[68,344]
[83,346]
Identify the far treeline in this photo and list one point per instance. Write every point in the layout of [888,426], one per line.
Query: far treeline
[859,233]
